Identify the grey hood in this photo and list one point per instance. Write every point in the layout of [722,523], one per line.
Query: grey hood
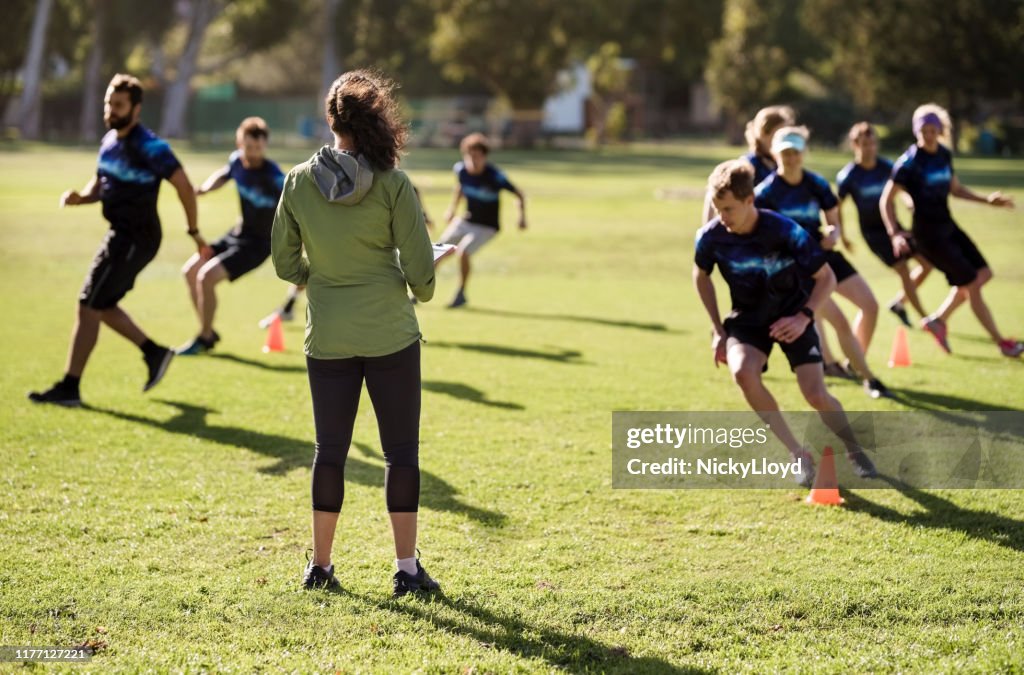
[341,177]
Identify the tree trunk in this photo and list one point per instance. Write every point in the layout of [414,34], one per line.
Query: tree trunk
[330,67]
[176,96]
[88,122]
[28,115]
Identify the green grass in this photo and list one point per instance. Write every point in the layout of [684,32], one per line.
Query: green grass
[172,525]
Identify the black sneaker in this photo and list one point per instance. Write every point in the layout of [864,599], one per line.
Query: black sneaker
[318,577]
[900,311]
[875,388]
[59,394]
[458,301]
[862,464]
[418,583]
[156,364]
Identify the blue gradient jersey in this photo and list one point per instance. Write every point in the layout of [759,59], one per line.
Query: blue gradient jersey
[482,194]
[761,168]
[768,271]
[802,202]
[259,189]
[865,186]
[926,177]
[129,171]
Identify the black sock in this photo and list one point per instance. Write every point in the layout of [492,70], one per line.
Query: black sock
[71,381]
[150,348]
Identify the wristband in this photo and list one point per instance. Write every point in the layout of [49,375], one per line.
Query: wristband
[807,311]
[192,233]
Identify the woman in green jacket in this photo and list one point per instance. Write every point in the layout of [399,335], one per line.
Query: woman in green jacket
[365,241]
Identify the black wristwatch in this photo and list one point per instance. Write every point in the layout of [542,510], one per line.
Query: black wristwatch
[807,311]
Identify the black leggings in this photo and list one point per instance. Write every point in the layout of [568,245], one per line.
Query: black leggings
[394,385]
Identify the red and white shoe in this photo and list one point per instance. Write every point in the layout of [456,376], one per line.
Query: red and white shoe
[937,327]
[1011,348]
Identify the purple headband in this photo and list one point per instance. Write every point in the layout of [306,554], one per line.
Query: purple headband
[927,118]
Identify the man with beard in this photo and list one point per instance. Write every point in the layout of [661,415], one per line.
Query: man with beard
[132,162]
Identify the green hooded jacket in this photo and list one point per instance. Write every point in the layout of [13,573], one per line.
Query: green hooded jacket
[365,241]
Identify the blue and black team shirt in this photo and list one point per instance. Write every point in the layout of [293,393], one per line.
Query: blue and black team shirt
[768,270]
[802,202]
[926,177]
[259,190]
[482,194]
[761,168]
[866,186]
[129,170]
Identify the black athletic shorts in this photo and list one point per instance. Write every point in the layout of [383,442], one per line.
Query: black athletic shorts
[118,261]
[955,254]
[805,349]
[240,254]
[840,265]
[881,245]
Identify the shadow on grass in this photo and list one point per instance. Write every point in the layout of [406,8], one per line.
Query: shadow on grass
[947,404]
[561,356]
[241,360]
[508,632]
[614,323]
[942,514]
[291,453]
[467,393]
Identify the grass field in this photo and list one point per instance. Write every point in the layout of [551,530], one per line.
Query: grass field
[171,526]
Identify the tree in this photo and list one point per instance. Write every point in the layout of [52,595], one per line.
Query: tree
[751,65]
[609,82]
[249,26]
[330,66]
[891,56]
[28,115]
[515,49]
[176,97]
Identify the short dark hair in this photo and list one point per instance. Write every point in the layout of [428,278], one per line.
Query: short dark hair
[253,127]
[735,176]
[475,141]
[860,129]
[360,104]
[128,83]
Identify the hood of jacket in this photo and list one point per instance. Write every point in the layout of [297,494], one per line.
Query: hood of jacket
[342,178]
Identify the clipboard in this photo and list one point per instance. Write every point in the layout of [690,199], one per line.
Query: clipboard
[442,251]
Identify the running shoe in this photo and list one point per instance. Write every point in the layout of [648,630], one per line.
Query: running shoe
[318,577]
[875,388]
[417,583]
[805,477]
[59,394]
[156,365]
[197,346]
[937,327]
[1011,348]
[458,301]
[862,464]
[900,311]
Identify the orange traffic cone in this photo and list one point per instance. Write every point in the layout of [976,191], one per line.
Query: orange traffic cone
[900,356]
[275,337]
[826,488]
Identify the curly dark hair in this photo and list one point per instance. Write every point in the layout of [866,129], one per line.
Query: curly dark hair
[128,83]
[360,104]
